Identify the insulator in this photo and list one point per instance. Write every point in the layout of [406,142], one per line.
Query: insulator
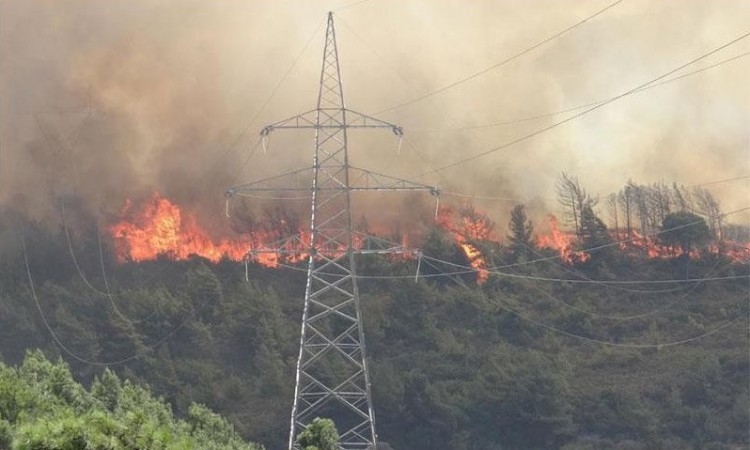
[419,265]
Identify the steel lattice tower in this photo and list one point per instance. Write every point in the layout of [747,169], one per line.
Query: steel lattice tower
[332,378]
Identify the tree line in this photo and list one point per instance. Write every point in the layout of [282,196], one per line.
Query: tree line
[455,365]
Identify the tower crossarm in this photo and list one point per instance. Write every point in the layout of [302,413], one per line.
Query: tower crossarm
[323,118]
[366,244]
[367,180]
[293,245]
[359,180]
[285,182]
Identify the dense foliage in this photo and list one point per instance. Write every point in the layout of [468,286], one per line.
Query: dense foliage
[510,364]
[43,408]
[320,434]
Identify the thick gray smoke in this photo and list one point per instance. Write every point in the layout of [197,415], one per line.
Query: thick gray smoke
[106,100]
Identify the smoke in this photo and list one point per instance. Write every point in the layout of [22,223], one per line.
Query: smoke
[105,101]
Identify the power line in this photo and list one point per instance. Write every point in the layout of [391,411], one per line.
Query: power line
[618,242]
[586,279]
[480,197]
[575,108]
[495,269]
[388,65]
[619,344]
[74,355]
[510,199]
[76,134]
[611,343]
[105,278]
[593,108]
[576,336]
[351,5]
[727,180]
[85,280]
[634,316]
[490,270]
[599,247]
[503,62]
[566,333]
[246,161]
[270,97]
[468,270]
[107,294]
[666,307]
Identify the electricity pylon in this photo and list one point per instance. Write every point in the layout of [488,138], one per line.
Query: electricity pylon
[332,378]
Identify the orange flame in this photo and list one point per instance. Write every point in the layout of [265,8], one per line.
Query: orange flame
[635,242]
[562,242]
[738,252]
[160,228]
[475,225]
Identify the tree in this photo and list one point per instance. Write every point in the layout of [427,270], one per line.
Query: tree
[320,434]
[572,197]
[625,198]
[521,230]
[593,230]
[612,209]
[711,208]
[594,235]
[684,231]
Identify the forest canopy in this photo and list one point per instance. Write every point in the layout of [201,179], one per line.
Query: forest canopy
[616,350]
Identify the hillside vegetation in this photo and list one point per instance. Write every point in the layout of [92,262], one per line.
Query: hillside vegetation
[515,363]
[43,408]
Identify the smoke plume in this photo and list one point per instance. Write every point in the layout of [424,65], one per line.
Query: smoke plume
[105,101]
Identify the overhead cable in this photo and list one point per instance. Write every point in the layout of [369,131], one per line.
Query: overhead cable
[593,108]
[574,108]
[503,62]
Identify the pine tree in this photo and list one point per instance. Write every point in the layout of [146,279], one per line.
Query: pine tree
[521,230]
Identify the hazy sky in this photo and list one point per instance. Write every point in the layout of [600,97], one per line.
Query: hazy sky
[111,99]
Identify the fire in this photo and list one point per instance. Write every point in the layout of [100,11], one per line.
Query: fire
[474,225]
[562,242]
[159,227]
[635,242]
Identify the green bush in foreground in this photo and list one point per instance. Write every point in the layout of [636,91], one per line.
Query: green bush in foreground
[320,434]
[43,408]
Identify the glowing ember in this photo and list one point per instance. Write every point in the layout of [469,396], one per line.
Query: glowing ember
[562,242]
[738,252]
[636,243]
